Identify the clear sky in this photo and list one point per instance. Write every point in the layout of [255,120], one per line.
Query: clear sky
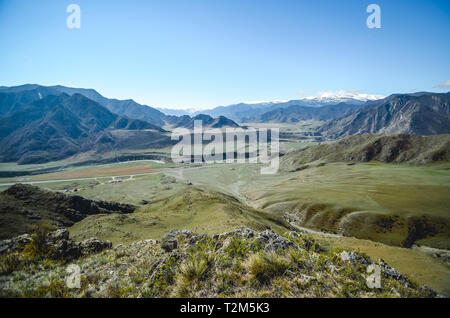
[203,53]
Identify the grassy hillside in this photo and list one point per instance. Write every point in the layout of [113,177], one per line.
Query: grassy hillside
[192,208]
[382,202]
[22,207]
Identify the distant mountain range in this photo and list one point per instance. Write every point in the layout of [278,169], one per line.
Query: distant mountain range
[45,123]
[246,112]
[418,114]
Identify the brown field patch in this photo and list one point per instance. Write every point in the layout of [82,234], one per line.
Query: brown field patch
[98,172]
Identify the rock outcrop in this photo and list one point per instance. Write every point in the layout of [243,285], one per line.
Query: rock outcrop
[14,243]
[58,244]
[24,206]
[187,264]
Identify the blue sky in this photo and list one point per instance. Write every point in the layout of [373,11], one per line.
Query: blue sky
[193,53]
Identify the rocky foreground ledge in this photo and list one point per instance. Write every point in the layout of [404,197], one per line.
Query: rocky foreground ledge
[242,263]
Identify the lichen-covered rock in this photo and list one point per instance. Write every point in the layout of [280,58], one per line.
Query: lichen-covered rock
[5,246]
[346,256]
[353,257]
[266,237]
[10,245]
[174,234]
[280,243]
[67,250]
[93,245]
[272,241]
[57,244]
[244,232]
[58,235]
[169,244]
[389,271]
[170,241]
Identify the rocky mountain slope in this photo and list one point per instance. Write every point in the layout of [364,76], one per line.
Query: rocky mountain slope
[296,113]
[419,114]
[24,206]
[370,147]
[127,108]
[36,129]
[242,263]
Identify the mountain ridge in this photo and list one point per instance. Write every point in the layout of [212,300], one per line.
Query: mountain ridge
[57,127]
[128,108]
[418,114]
[296,113]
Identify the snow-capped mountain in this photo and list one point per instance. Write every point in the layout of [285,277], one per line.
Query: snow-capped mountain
[250,110]
[336,97]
